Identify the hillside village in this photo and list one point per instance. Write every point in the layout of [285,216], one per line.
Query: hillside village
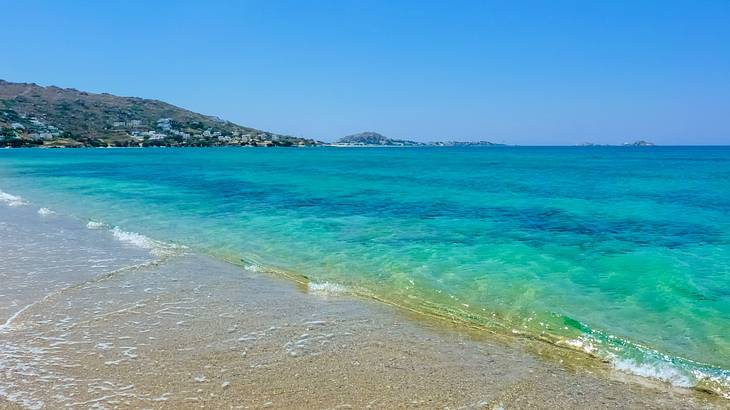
[19,130]
[31,115]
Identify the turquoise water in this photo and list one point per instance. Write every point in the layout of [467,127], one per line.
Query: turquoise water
[622,252]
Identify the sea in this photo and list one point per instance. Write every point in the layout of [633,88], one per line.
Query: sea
[622,253]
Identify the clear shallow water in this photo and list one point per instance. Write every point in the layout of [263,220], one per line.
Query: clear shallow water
[623,252]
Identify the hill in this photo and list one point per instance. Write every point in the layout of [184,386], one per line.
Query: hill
[32,115]
[373,138]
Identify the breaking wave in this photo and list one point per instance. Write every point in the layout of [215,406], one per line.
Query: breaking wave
[156,248]
[639,360]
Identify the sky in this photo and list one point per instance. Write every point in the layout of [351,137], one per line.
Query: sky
[519,72]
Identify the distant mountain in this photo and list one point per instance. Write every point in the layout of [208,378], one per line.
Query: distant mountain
[373,138]
[31,115]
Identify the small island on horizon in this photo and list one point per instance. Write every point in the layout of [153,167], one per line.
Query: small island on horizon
[640,143]
[373,139]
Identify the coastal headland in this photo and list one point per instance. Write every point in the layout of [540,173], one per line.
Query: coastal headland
[52,117]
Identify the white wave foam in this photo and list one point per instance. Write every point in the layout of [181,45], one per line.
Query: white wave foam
[8,323]
[12,200]
[639,360]
[253,267]
[326,288]
[95,225]
[582,344]
[133,238]
[45,212]
[156,248]
[661,371]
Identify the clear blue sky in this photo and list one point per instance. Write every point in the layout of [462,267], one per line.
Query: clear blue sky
[530,72]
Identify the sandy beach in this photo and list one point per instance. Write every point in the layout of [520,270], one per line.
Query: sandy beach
[189,331]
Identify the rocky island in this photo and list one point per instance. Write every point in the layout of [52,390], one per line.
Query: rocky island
[373,139]
[640,143]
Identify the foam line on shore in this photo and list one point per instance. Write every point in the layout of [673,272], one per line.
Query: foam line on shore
[8,323]
[327,288]
[45,212]
[12,200]
[157,248]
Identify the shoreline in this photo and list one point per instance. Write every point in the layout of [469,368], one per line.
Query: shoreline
[256,339]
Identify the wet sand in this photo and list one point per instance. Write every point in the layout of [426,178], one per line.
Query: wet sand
[194,332]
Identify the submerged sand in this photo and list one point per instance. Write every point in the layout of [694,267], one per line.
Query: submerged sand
[190,331]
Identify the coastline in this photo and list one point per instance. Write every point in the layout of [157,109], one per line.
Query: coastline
[190,330]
